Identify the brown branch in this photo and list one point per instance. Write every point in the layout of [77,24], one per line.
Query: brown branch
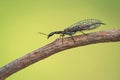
[57,46]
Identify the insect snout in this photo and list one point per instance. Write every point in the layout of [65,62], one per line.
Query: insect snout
[56,32]
[51,34]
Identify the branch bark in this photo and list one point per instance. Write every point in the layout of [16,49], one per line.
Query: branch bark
[57,46]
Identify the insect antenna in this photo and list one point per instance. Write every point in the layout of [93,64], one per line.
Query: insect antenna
[42,33]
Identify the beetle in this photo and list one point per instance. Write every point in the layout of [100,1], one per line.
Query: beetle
[80,26]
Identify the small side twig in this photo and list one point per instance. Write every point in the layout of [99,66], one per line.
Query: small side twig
[57,46]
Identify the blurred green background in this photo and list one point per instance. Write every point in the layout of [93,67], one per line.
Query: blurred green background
[21,20]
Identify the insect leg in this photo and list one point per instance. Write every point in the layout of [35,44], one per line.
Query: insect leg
[61,36]
[83,32]
[62,39]
[72,39]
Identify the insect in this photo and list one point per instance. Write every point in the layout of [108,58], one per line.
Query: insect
[80,26]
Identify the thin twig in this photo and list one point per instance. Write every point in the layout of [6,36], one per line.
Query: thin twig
[57,46]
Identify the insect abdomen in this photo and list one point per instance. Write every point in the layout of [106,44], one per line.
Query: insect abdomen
[84,25]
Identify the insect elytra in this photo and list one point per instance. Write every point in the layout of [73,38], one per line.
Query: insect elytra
[79,26]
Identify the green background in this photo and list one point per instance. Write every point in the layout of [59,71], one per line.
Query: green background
[21,20]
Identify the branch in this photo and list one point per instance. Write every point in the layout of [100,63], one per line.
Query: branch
[57,46]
